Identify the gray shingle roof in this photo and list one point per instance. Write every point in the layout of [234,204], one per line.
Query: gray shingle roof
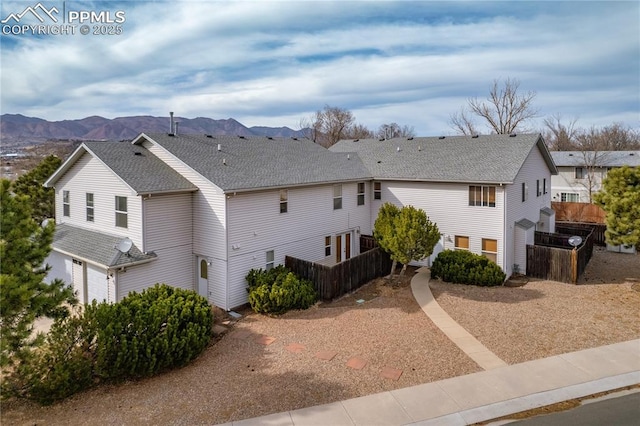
[487,158]
[96,247]
[140,169]
[260,162]
[602,158]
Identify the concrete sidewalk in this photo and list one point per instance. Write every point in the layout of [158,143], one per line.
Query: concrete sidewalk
[480,396]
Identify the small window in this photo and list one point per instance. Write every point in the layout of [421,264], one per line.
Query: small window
[538,188]
[204,273]
[121,212]
[89,207]
[361,193]
[490,249]
[270,260]
[327,246]
[544,186]
[284,200]
[377,191]
[337,197]
[66,205]
[525,191]
[461,243]
[580,173]
[570,197]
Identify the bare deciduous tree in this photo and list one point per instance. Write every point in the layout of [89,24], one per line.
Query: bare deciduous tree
[359,131]
[560,136]
[394,130]
[330,124]
[505,110]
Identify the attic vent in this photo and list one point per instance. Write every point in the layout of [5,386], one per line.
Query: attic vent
[440,137]
[512,135]
[241,137]
[475,136]
[137,153]
[410,138]
[209,136]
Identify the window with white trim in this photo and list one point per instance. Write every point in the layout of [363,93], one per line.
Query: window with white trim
[270,260]
[361,193]
[377,191]
[544,186]
[327,246]
[121,212]
[66,204]
[525,191]
[482,196]
[570,197]
[581,173]
[490,249]
[538,188]
[284,200]
[461,242]
[337,197]
[89,203]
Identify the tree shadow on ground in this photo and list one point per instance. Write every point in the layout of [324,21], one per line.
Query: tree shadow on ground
[498,294]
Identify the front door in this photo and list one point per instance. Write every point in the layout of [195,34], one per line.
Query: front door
[203,277]
[343,247]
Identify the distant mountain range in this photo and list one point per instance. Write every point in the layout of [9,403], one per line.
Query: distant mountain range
[16,129]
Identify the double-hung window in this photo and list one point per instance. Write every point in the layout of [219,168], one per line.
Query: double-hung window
[482,196]
[377,191]
[361,193]
[89,203]
[327,246]
[337,197]
[270,260]
[66,204]
[284,200]
[490,249]
[121,212]
[581,173]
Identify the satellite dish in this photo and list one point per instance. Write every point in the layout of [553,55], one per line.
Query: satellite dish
[124,245]
[575,241]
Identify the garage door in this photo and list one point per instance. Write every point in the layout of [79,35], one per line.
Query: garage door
[60,268]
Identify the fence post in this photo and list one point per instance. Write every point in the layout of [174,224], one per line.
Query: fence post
[574,266]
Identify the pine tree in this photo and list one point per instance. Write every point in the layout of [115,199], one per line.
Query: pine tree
[620,199]
[24,245]
[31,184]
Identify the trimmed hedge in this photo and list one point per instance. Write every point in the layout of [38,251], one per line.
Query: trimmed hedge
[464,267]
[279,290]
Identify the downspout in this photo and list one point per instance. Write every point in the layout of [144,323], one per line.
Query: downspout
[504,226]
[226,255]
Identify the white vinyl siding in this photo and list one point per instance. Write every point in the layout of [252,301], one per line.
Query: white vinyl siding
[89,206]
[97,284]
[209,225]
[66,203]
[121,212]
[61,268]
[90,175]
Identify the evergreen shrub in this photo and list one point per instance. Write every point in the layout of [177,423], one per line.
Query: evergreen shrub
[464,267]
[278,290]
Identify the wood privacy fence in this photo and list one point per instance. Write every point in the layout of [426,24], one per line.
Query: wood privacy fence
[578,212]
[574,227]
[552,258]
[334,281]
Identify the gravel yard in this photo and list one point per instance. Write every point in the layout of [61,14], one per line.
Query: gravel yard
[239,377]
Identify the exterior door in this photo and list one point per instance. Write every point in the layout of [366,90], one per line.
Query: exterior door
[203,277]
[343,247]
[78,280]
[338,248]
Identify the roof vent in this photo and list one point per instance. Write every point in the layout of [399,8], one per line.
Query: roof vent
[270,138]
[632,153]
[219,147]
[137,153]
[512,135]
[348,157]
[224,161]
[379,161]
[570,155]
[475,136]
[241,137]
[294,138]
[440,137]
[175,131]
[356,140]
[419,148]
[209,136]
[171,123]
[410,138]
[398,149]
[381,139]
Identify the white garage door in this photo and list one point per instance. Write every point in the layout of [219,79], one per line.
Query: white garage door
[97,284]
[60,268]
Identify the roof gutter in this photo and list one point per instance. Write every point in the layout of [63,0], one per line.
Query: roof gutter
[94,263]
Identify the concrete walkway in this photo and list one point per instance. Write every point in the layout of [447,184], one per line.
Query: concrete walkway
[458,335]
[479,396]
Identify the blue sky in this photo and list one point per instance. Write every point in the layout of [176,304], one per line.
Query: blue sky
[274,63]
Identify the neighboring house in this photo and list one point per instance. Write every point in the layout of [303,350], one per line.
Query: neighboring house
[580,173]
[201,211]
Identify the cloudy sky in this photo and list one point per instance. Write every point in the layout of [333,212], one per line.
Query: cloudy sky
[273,63]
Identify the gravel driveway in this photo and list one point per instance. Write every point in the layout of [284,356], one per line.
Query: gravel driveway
[241,377]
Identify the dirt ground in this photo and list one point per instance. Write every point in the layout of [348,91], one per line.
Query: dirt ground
[240,376]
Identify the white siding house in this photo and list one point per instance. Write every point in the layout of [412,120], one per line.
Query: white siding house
[201,211]
[580,173]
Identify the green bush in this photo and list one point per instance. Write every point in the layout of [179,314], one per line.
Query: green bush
[464,267]
[160,328]
[278,290]
[145,333]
